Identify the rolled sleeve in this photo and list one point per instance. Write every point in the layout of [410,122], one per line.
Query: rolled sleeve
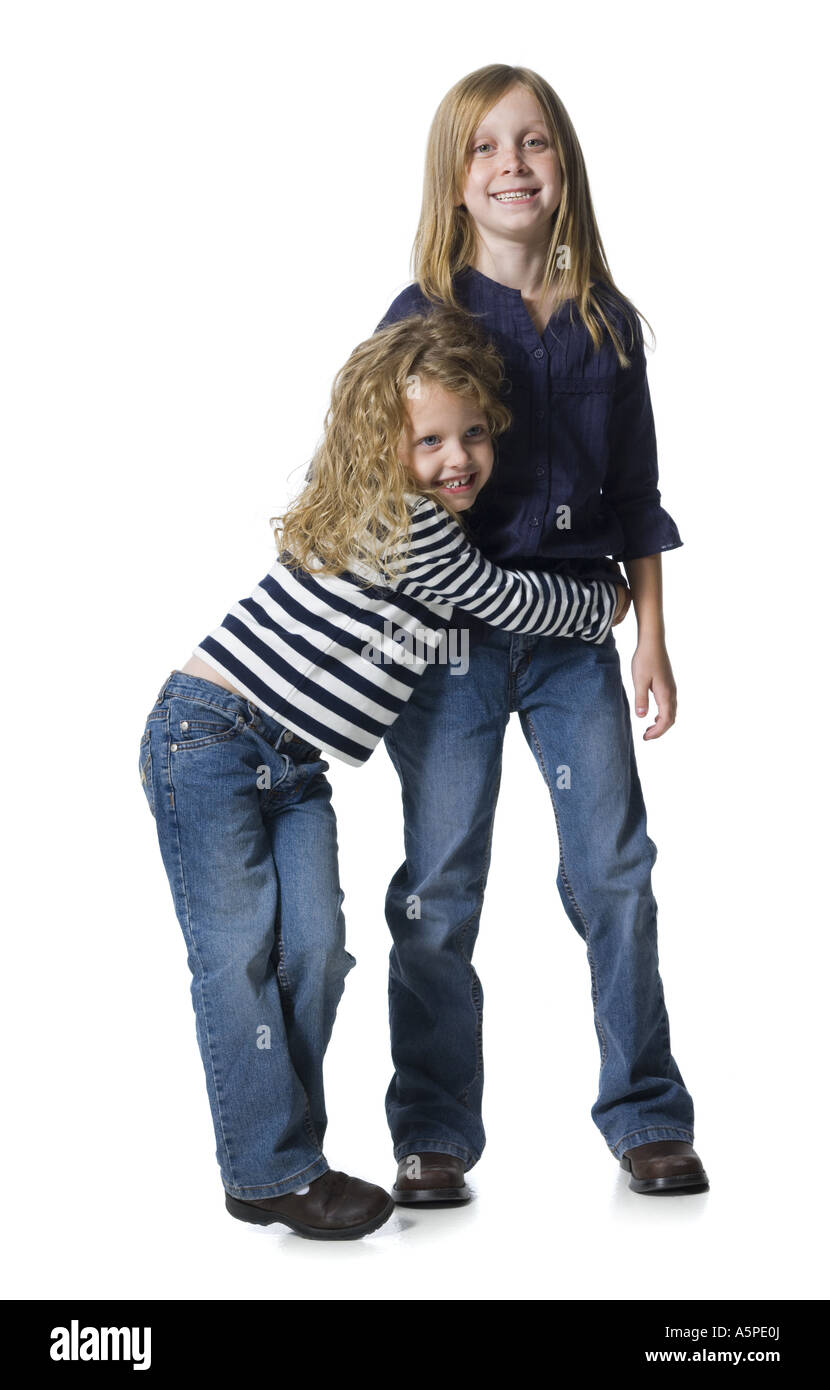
[630,488]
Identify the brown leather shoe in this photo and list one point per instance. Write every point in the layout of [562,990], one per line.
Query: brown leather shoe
[430,1177]
[667,1166]
[336,1207]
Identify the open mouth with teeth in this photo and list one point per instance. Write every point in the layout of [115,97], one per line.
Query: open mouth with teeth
[456,484]
[516,195]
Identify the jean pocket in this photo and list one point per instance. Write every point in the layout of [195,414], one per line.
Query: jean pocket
[145,770]
[198,724]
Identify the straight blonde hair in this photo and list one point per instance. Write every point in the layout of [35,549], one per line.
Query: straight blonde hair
[354,508]
[445,241]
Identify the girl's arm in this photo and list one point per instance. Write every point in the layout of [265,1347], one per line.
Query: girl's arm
[631,486]
[631,490]
[443,567]
[650,666]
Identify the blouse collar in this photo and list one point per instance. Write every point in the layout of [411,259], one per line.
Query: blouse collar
[490,286]
[493,288]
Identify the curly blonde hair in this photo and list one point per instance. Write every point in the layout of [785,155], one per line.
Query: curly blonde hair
[353,508]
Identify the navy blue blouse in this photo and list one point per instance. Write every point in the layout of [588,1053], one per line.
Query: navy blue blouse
[576,474]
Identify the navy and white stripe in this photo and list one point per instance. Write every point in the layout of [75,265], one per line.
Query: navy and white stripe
[337,661]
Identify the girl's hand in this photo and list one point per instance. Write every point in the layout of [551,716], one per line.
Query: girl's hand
[623,603]
[651,669]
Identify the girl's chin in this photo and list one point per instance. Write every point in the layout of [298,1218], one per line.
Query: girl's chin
[460,504]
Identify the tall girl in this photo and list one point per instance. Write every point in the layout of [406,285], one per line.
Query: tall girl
[231,757]
[508,234]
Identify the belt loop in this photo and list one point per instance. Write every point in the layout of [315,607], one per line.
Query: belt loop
[161,693]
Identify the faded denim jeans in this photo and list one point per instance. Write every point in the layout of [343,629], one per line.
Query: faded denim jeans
[447,749]
[248,837]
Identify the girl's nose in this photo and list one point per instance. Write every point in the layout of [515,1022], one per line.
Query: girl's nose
[459,455]
[513,161]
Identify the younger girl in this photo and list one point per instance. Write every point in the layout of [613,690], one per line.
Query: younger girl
[231,755]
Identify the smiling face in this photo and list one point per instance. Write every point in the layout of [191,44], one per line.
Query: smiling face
[514,178]
[446,444]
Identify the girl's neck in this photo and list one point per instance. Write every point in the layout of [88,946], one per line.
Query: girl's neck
[516,266]
[520,267]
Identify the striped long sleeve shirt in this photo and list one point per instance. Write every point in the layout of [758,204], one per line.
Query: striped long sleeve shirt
[336,657]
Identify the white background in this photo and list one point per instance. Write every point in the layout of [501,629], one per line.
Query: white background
[207,206]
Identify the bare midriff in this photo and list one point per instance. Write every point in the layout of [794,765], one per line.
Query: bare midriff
[196,667]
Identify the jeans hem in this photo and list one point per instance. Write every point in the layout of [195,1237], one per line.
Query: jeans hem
[651,1135]
[435,1146]
[279,1189]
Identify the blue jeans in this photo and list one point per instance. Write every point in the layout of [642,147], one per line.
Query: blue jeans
[248,837]
[447,748]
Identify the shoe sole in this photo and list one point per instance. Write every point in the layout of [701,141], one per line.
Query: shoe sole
[679,1182]
[431,1196]
[243,1211]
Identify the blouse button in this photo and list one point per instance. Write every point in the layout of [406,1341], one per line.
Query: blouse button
[534,521]
[540,352]
[540,472]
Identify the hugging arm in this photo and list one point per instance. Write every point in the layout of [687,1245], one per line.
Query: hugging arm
[443,567]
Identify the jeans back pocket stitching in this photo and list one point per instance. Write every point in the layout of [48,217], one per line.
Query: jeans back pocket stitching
[146,771]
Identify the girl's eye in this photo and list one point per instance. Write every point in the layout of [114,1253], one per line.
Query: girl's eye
[531,140]
[430,440]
